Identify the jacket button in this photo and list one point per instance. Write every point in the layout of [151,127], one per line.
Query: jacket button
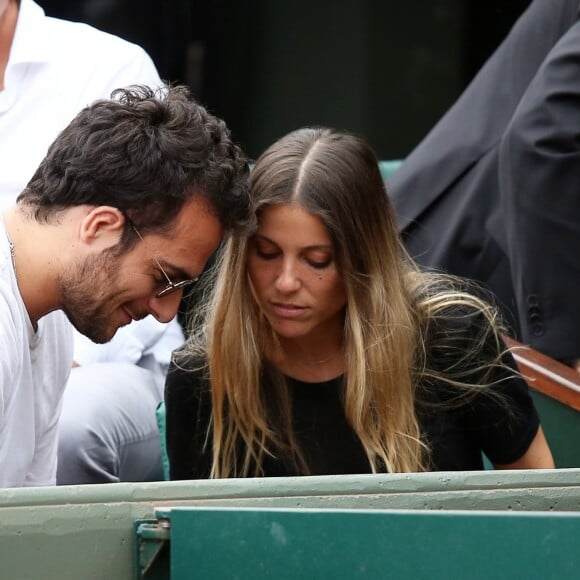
[538,329]
[533,300]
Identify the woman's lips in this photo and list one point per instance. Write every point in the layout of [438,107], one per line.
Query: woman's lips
[288,310]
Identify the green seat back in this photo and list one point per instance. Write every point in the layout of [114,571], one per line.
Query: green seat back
[389,167]
[160,414]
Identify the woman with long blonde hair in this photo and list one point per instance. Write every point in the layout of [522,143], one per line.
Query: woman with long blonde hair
[322,349]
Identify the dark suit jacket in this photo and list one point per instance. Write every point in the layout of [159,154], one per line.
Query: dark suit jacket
[493,192]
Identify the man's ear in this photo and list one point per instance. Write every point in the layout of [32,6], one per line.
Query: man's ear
[102,225]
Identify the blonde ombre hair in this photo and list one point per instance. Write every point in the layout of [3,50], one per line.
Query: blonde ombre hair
[390,307]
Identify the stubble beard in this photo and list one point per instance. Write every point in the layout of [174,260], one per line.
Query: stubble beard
[87,291]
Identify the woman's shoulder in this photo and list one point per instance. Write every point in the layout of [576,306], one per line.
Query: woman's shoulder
[188,415]
[187,374]
[463,351]
[462,329]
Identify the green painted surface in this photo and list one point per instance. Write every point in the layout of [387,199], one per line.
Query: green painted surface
[257,544]
[385,70]
[561,424]
[86,532]
[389,167]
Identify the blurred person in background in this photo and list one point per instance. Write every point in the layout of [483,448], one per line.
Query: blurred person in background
[491,193]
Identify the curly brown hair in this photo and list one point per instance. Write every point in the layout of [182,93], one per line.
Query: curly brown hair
[145,152]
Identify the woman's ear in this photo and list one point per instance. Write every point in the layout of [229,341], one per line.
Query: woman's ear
[103,225]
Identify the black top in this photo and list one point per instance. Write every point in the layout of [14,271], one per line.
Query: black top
[456,432]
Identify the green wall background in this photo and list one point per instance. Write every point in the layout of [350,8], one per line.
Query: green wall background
[384,69]
[378,69]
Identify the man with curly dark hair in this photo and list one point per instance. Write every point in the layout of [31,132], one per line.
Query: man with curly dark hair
[122,214]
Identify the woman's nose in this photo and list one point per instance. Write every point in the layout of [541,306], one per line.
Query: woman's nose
[288,280]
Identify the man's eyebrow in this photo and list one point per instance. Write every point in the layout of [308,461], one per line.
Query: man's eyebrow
[176,272]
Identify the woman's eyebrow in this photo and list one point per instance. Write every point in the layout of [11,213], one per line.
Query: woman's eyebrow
[312,247]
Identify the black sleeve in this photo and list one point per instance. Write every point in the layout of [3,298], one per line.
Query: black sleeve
[497,417]
[539,171]
[503,426]
[188,409]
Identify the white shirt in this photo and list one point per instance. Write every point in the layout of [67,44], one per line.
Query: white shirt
[56,68]
[34,369]
[147,343]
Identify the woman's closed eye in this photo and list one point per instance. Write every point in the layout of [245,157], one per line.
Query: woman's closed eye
[267,254]
[320,264]
[318,257]
[317,263]
[265,249]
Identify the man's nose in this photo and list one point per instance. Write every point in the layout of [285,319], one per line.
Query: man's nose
[165,308]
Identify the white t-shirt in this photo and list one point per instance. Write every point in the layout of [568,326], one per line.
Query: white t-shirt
[34,369]
[55,69]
